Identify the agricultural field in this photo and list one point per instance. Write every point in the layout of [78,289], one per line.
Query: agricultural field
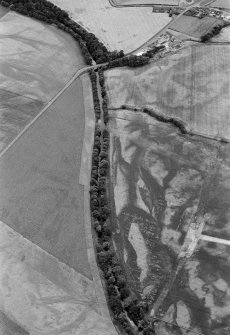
[146,2]
[46,249]
[192,85]
[195,27]
[223,4]
[40,295]
[201,292]
[118,28]
[36,61]
[49,211]
[163,186]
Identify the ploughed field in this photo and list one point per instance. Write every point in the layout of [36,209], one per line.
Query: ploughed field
[167,191]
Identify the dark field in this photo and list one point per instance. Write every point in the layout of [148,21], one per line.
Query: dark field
[194,26]
[162,187]
[201,292]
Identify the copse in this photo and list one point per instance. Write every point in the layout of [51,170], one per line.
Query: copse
[215,31]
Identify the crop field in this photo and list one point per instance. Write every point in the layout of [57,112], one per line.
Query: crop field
[40,295]
[3,11]
[40,194]
[201,292]
[194,26]
[118,28]
[160,181]
[48,275]
[221,4]
[147,2]
[36,61]
[192,85]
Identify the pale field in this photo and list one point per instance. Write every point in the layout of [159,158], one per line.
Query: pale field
[192,85]
[118,28]
[36,61]
[40,295]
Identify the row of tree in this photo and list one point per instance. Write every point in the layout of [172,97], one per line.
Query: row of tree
[215,31]
[103,95]
[92,48]
[122,301]
[96,101]
[176,122]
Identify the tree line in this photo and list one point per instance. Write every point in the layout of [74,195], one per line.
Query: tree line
[121,300]
[92,49]
[215,31]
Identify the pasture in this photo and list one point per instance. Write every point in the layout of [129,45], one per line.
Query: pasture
[192,85]
[193,26]
[118,28]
